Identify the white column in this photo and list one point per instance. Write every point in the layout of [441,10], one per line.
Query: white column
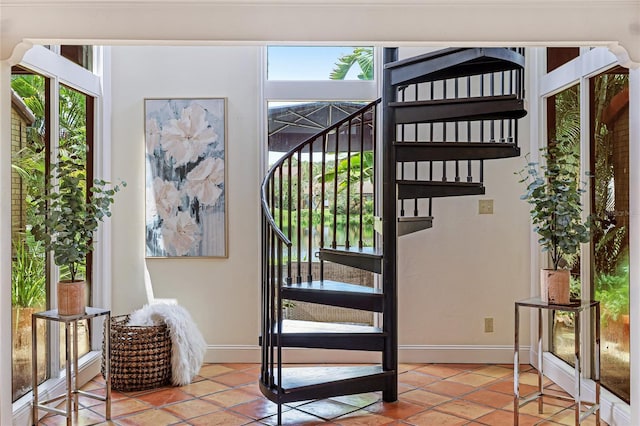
[5,243]
[634,237]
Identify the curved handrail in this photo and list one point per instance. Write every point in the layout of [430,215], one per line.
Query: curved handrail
[286,157]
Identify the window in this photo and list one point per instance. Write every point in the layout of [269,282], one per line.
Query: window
[303,97]
[609,130]
[29,285]
[563,127]
[587,110]
[57,98]
[319,63]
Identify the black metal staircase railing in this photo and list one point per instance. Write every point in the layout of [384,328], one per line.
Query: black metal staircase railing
[442,115]
[319,194]
[449,119]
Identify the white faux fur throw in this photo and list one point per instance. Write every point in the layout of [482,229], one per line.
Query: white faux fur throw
[187,344]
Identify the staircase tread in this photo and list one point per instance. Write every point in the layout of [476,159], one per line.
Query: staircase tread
[453,62]
[440,53]
[425,56]
[306,327]
[439,183]
[467,100]
[454,144]
[332,286]
[301,377]
[450,151]
[414,218]
[354,250]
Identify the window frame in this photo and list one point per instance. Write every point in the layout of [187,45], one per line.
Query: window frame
[61,71]
[590,63]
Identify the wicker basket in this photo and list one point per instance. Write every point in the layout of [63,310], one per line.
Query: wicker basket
[140,355]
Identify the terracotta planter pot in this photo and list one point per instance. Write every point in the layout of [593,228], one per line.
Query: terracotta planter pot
[71,299]
[554,286]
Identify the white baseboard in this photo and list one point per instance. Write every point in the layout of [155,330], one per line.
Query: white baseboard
[498,354]
[460,354]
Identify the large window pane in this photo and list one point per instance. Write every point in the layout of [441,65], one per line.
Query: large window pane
[29,142]
[31,149]
[563,121]
[609,106]
[319,63]
[291,123]
[73,140]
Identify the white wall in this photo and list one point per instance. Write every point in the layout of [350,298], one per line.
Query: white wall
[468,267]
[222,295]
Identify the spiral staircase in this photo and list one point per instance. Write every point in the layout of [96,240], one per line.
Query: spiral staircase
[442,114]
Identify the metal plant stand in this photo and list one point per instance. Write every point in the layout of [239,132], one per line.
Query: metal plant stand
[71,364]
[577,308]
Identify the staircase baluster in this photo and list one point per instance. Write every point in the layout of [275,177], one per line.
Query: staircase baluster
[334,243]
[360,219]
[468,96]
[272,315]
[299,218]
[264,267]
[481,94]
[281,219]
[492,92]
[401,137]
[444,123]
[415,163]
[347,242]
[279,336]
[323,175]
[455,134]
[374,138]
[290,213]
[310,209]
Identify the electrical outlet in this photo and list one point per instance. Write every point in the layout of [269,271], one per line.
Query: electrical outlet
[485,206]
[488,325]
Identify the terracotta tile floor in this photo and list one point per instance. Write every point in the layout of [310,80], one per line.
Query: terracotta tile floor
[429,394]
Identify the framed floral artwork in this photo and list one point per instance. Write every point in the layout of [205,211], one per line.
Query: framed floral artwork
[186,197]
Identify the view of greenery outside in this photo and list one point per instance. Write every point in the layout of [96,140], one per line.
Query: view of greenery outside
[610,209]
[73,142]
[352,63]
[609,188]
[29,264]
[563,118]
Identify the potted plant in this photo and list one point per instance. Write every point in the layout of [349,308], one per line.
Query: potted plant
[553,193]
[67,216]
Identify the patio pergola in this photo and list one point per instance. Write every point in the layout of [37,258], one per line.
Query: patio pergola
[293,123]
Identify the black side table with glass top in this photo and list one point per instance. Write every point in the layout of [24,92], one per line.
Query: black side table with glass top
[577,307]
[71,364]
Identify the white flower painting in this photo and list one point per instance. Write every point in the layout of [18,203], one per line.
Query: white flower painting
[185,143]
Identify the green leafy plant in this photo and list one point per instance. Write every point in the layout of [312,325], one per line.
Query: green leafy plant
[363,56]
[27,273]
[613,291]
[554,195]
[66,217]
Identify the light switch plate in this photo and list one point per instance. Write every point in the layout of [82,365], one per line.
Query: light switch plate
[485,206]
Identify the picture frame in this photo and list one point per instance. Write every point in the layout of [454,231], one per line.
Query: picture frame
[186,177]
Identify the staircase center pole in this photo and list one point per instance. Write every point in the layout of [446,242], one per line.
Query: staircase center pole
[389,212]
